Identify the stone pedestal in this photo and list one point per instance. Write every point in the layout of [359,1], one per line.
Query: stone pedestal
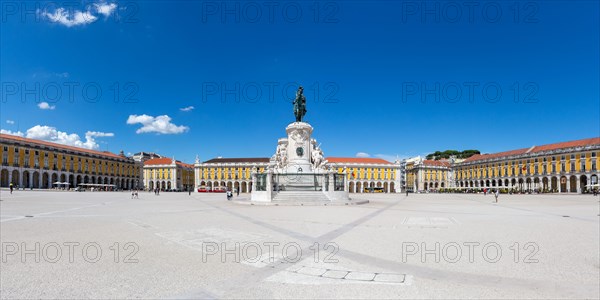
[299,148]
[296,175]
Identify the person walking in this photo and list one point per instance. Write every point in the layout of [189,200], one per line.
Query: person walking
[237,192]
[189,191]
[496,195]
[11,187]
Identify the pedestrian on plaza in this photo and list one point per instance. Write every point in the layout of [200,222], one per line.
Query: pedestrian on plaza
[136,194]
[132,194]
[11,187]
[406,192]
[237,191]
[189,191]
[595,192]
[496,195]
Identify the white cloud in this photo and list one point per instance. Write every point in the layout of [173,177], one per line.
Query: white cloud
[67,17]
[45,105]
[363,154]
[189,108]
[159,124]
[99,134]
[105,9]
[11,122]
[74,17]
[17,133]
[51,134]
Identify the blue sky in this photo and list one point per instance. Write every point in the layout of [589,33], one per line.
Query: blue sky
[382,78]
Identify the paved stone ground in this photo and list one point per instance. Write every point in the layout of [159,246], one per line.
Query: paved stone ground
[170,246]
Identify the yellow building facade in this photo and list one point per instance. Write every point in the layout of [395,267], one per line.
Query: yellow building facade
[428,175]
[228,173]
[30,163]
[168,174]
[569,167]
[236,173]
[366,175]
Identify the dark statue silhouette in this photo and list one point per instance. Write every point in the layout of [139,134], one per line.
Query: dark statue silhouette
[299,105]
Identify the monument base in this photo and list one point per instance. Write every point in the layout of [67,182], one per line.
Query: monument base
[298,173]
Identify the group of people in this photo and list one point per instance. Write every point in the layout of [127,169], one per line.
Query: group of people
[156,191]
[134,194]
[230,193]
[496,193]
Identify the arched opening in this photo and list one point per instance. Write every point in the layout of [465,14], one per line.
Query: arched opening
[54,179]
[505,182]
[15,178]
[358,188]
[379,184]
[583,183]
[4,178]
[392,187]
[150,185]
[442,185]
[86,179]
[26,179]
[563,184]
[229,185]
[45,181]
[487,184]
[545,186]
[36,180]
[168,186]
[573,184]
[351,187]
[63,178]
[244,187]
[385,187]
[163,185]
[554,184]
[426,185]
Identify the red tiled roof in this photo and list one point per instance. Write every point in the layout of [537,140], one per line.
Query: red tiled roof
[534,149]
[436,163]
[496,155]
[571,144]
[59,146]
[158,161]
[238,160]
[358,160]
[165,161]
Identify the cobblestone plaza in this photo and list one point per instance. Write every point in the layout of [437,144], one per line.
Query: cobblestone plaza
[107,245]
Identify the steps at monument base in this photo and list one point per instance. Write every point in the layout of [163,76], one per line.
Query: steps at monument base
[300,196]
